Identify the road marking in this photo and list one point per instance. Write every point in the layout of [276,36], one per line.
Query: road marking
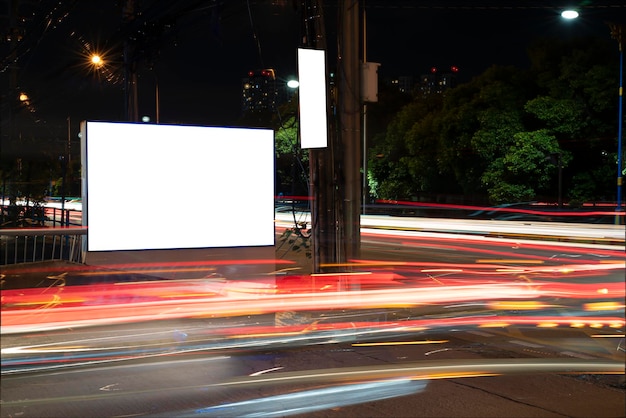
[579,355]
[273,369]
[526,344]
[482,334]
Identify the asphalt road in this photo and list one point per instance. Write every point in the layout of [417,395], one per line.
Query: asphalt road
[195,367]
[183,383]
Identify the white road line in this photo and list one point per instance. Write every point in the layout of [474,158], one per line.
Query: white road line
[526,344]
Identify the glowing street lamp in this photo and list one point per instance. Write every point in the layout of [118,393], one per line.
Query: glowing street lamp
[569,14]
[96,60]
[98,63]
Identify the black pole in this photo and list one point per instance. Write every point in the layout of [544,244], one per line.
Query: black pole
[560,180]
[335,177]
[324,184]
[64,171]
[130,65]
[349,106]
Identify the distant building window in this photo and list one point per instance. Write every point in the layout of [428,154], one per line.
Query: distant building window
[261,92]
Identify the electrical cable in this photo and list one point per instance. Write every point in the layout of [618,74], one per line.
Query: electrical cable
[254,35]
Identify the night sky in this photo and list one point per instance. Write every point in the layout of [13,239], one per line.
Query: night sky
[200,50]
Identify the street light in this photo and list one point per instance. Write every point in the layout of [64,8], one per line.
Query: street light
[569,14]
[555,158]
[96,60]
[288,86]
[617,32]
[99,63]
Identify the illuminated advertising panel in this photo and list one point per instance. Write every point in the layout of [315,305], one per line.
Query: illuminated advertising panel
[173,187]
[312,94]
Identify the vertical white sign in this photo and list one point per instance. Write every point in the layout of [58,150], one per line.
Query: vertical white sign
[312,94]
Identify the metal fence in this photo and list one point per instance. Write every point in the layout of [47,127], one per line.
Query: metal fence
[28,245]
[15,216]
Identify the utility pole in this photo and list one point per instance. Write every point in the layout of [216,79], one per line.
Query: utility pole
[323,185]
[335,182]
[9,97]
[364,185]
[349,104]
[131,106]
[11,93]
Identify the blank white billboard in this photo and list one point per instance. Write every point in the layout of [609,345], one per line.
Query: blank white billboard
[174,187]
[312,94]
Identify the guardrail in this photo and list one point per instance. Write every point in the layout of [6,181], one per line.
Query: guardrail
[28,245]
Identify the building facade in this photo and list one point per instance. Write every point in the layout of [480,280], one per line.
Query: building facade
[434,82]
[260,92]
[437,82]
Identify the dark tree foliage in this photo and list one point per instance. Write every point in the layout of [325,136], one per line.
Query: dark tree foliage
[292,162]
[502,133]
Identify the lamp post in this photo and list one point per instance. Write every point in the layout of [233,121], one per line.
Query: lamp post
[617,32]
[130,65]
[349,107]
[556,159]
[157,99]
[63,161]
[285,88]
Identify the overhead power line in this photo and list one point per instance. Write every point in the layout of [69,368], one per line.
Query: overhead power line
[490,5]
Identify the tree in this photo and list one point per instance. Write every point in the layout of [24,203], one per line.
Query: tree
[394,156]
[478,124]
[292,162]
[577,105]
[523,167]
[496,134]
[379,116]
